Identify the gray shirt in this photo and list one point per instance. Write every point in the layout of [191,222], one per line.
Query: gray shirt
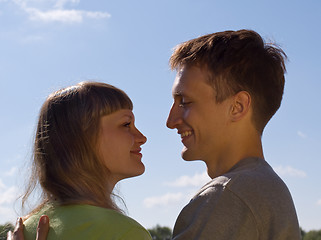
[248,202]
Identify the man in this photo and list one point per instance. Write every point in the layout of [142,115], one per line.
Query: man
[228,86]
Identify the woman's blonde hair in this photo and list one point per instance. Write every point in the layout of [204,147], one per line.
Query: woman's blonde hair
[65,161]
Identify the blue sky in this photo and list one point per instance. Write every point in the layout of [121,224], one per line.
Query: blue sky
[46,45]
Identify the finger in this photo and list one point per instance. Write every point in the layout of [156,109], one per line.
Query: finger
[43,228]
[18,231]
[9,235]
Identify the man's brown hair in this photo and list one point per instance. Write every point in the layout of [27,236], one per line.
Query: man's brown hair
[238,61]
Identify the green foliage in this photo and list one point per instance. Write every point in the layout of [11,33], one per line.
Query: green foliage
[4,229]
[302,233]
[312,235]
[165,233]
[160,233]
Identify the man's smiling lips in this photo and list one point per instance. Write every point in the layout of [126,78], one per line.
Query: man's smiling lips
[185,134]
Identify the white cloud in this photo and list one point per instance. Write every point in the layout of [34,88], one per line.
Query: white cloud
[57,15]
[164,200]
[5,211]
[57,12]
[168,199]
[198,180]
[7,215]
[62,3]
[11,172]
[96,15]
[7,194]
[289,171]
[319,202]
[301,134]
[2,186]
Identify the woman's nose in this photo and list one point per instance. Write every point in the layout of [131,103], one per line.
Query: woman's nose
[140,138]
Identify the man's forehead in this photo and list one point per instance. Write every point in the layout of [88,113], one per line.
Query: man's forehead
[184,81]
[177,88]
[180,89]
[191,81]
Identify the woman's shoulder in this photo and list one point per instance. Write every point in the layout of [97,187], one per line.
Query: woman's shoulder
[103,222]
[97,215]
[89,222]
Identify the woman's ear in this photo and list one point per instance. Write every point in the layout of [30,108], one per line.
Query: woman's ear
[240,106]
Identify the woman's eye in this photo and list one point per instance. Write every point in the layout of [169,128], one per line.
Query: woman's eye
[127,124]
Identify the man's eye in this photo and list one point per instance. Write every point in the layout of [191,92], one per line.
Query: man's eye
[184,104]
[127,124]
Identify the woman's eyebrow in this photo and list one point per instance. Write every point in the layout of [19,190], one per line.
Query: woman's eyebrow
[128,116]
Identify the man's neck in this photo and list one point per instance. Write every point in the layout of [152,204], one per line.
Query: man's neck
[237,150]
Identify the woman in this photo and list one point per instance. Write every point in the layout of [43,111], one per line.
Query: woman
[86,142]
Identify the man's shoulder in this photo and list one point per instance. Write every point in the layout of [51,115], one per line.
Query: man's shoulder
[256,176]
[246,174]
[250,195]
[252,181]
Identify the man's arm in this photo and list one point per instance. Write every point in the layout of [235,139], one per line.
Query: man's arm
[42,229]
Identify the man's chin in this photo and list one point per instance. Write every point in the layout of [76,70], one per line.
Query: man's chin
[188,155]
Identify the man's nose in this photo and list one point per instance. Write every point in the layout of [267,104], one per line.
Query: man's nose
[174,117]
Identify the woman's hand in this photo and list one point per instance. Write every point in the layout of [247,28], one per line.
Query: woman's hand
[42,229]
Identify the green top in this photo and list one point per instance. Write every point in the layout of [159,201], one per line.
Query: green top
[85,222]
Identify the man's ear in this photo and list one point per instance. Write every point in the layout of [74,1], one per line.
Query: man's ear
[240,106]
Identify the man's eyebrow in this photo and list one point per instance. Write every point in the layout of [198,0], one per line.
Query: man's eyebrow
[177,94]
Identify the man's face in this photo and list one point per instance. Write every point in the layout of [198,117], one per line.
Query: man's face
[199,120]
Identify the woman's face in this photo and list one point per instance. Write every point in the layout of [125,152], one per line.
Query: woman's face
[119,145]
